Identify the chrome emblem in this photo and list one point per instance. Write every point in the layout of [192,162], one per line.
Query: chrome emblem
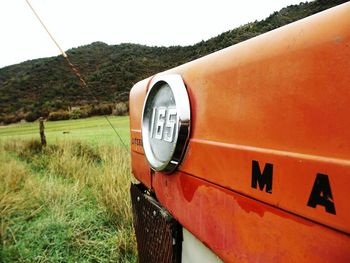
[166,122]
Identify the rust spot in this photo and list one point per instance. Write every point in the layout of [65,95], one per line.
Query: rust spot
[189,186]
[251,207]
[338,39]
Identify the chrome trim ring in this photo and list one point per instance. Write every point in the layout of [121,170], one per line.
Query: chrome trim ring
[166,121]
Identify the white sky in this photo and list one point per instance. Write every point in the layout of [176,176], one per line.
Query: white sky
[152,22]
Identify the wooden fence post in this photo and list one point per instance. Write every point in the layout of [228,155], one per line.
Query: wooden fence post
[42,131]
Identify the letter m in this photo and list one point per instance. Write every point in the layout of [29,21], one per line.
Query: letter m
[263,179]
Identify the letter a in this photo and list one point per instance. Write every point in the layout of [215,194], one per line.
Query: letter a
[321,194]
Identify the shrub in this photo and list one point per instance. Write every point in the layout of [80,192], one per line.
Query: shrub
[121,109]
[58,115]
[103,109]
[84,114]
[12,118]
[75,114]
[31,116]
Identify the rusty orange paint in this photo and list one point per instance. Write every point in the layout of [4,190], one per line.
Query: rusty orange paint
[139,164]
[280,98]
[240,229]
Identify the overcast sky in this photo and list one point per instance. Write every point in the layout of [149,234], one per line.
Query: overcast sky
[151,22]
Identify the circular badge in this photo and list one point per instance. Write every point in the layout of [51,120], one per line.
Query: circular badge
[166,122]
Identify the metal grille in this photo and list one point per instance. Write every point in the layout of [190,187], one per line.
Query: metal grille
[158,234]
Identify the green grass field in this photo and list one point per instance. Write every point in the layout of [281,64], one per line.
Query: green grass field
[94,130]
[68,201]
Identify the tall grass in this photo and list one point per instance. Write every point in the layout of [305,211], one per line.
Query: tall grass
[67,202]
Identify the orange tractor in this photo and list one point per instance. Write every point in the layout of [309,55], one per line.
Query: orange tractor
[244,155]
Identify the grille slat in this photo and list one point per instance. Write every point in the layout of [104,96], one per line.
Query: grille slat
[155,229]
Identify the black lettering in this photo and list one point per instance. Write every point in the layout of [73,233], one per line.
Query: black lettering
[321,194]
[264,178]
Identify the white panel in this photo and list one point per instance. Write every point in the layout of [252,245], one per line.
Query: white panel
[193,250]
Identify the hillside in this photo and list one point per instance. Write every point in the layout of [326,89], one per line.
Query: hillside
[37,87]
